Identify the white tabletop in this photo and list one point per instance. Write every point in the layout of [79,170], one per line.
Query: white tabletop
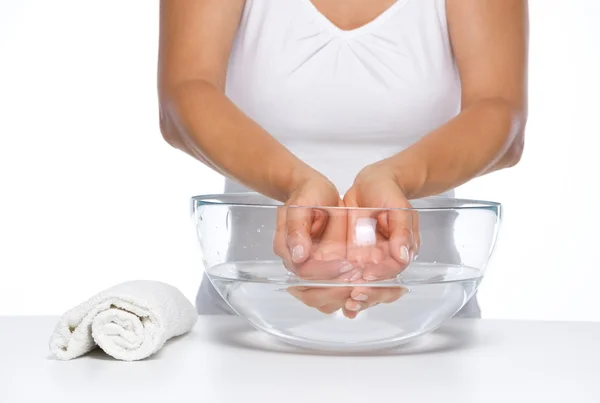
[224,360]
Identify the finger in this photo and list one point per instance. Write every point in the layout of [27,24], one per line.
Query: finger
[319,222]
[397,251]
[321,297]
[280,247]
[416,234]
[332,308]
[327,270]
[382,224]
[299,222]
[400,223]
[332,243]
[362,298]
[349,314]
[328,257]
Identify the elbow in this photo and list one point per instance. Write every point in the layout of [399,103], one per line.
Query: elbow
[174,136]
[168,128]
[514,116]
[514,153]
[173,109]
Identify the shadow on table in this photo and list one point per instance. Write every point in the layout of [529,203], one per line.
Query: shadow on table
[452,337]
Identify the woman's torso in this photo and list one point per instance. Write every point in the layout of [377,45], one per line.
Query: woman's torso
[341,100]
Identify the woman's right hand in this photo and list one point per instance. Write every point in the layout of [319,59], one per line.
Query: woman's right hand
[311,240]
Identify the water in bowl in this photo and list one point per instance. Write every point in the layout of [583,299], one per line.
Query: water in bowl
[258,291]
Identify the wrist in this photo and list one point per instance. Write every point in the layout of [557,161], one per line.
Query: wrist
[287,180]
[410,174]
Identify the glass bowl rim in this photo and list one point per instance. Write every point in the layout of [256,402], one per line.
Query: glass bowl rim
[468,204]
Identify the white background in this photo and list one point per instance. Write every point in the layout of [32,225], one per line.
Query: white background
[92,196]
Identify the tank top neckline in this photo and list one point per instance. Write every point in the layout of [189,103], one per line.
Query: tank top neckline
[363,29]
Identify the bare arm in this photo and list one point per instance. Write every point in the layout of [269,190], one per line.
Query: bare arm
[196,117]
[490,44]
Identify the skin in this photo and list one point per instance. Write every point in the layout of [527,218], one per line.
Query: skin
[489,39]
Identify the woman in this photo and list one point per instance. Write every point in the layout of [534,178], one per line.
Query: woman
[344,103]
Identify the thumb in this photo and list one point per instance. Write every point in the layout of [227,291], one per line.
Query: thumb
[400,226]
[298,233]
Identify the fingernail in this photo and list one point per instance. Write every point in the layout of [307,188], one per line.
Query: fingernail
[404,253]
[355,308]
[361,297]
[370,277]
[297,253]
[356,276]
[346,268]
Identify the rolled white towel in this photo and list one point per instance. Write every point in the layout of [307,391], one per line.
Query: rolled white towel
[130,321]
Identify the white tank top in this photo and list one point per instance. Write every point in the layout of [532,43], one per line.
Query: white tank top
[341,100]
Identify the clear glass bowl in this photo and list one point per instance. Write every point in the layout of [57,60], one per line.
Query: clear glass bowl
[350,255]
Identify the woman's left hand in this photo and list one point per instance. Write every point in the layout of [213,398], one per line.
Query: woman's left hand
[381,243]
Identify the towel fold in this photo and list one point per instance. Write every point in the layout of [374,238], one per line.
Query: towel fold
[130,321]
